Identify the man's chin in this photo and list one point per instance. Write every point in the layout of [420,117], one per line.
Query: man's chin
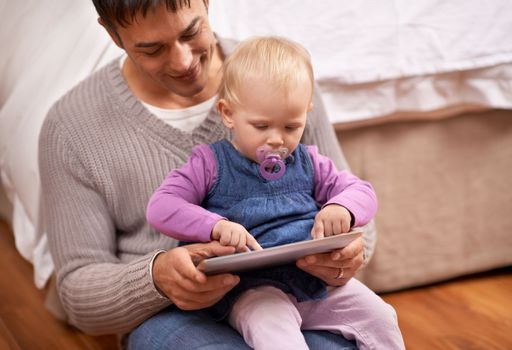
[186,91]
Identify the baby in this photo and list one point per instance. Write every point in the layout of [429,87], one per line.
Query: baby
[264,188]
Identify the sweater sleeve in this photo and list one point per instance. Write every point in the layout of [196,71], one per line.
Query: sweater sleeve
[320,132]
[100,293]
[342,188]
[174,209]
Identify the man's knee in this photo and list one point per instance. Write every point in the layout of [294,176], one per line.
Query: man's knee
[176,329]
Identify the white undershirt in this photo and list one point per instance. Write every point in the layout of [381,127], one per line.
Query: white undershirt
[186,119]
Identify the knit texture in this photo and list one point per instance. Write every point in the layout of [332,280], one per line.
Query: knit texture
[101,156]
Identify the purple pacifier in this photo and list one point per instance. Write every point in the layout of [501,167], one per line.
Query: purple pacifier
[272,166]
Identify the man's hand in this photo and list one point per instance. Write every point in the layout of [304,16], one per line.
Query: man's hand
[230,233]
[330,266]
[333,219]
[175,275]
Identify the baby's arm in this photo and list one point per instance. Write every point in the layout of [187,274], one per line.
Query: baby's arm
[230,233]
[347,200]
[174,209]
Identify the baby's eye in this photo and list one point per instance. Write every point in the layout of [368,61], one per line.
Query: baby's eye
[291,128]
[260,126]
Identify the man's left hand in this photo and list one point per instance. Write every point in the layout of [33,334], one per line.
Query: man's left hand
[337,267]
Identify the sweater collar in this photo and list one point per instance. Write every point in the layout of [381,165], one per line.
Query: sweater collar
[210,130]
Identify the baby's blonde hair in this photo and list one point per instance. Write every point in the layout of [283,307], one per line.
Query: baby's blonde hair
[282,62]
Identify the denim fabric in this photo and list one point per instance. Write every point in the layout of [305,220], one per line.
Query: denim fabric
[186,330]
[275,212]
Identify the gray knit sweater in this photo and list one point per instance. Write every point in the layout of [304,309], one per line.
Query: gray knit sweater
[101,156]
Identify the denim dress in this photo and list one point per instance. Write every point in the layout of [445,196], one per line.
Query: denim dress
[275,212]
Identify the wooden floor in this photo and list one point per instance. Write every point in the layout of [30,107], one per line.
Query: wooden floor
[25,324]
[467,313]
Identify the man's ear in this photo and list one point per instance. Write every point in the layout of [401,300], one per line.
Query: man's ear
[112,32]
[225,112]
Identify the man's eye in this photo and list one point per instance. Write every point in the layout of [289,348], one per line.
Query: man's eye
[153,53]
[189,36]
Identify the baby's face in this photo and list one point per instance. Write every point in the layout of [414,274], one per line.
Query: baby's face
[268,117]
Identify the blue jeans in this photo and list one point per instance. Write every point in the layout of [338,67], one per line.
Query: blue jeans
[190,330]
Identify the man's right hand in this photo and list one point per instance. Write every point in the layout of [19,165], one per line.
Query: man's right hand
[175,275]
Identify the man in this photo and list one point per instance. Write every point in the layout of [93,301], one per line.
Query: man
[107,144]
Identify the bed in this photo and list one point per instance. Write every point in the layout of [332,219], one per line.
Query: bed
[420,94]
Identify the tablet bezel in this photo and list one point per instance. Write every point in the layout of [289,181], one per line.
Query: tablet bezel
[284,254]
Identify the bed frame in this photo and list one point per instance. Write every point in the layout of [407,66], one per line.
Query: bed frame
[445,196]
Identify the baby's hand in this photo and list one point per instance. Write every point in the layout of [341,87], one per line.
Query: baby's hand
[235,235]
[331,220]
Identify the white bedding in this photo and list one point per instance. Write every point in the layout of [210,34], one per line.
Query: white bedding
[372,58]
[49,46]
[378,57]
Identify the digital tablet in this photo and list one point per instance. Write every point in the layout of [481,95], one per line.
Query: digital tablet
[283,254]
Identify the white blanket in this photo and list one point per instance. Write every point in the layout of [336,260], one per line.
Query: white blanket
[378,57]
[49,46]
[371,58]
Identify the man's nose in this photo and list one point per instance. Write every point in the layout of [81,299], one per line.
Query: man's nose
[180,58]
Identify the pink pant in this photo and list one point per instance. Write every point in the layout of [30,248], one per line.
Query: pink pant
[271,319]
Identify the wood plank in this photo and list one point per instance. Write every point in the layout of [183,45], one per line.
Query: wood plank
[468,313]
[25,322]
[7,340]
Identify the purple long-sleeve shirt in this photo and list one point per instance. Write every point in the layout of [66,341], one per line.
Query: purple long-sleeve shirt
[175,207]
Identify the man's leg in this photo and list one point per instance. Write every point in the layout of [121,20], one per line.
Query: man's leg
[188,330]
[325,340]
[176,329]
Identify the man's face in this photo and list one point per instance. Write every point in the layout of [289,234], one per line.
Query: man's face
[171,52]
